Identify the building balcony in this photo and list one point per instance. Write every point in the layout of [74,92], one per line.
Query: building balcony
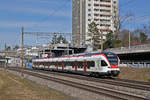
[105,5]
[96,4]
[96,17]
[105,13]
[107,8]
[105,29]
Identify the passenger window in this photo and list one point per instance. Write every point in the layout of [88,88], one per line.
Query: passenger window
[103,63]
[90,64]
[80,64]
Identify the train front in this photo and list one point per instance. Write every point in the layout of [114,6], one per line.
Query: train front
[113,60]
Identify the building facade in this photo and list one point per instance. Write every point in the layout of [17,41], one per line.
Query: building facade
[103,12]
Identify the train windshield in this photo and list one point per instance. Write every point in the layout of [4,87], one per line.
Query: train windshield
[112,58]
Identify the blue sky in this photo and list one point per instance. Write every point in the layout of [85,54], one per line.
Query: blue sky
[53,16]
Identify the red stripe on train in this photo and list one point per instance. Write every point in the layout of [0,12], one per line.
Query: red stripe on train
[85,66]
[114,66]
[76,65]
[62,65]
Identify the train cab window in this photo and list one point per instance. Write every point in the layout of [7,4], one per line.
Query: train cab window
[103,63]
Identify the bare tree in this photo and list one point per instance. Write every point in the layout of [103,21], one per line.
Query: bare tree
[120,21]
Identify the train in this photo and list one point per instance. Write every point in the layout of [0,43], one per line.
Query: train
[94,64]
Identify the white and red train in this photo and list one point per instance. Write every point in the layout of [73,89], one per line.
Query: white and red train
[102,64]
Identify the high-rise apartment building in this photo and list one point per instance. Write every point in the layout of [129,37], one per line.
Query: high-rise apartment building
[102,12]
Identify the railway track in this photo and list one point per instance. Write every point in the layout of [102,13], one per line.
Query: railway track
[114,81]
[116,95]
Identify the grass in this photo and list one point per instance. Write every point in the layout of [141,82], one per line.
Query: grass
[140,74]
[14,88]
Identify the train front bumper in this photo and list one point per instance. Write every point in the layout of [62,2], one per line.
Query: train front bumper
[113,73]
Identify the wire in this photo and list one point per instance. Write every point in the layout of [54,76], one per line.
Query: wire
[18,35]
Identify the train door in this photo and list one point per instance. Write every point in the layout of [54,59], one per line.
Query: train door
[98,65]
[84,65]
[101,65]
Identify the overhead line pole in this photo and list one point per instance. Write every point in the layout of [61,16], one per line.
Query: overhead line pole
[5,56]
[38,34]
[129,39]
[22,71]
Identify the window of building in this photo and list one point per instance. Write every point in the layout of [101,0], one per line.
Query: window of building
[107,25]
[103,10]
[89,9]
[104,5]
[105,15]
[96,14]
[96,4]
[104,20]
[96,19]
[89,14]
[105,0]
[89,4]
[89,19]
[96,9]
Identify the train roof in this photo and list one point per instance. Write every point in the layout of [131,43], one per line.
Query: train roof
[80,55]
[94,53]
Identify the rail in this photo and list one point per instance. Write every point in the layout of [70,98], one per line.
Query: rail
[99,90]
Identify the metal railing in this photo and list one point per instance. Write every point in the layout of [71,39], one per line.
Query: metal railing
[137,48]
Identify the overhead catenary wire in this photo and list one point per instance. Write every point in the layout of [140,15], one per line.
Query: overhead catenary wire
[42,20]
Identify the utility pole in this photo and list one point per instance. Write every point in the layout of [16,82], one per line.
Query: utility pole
[78,40]
[5,56]
[130,32]
[129,39]
[22,71]
[68,49]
